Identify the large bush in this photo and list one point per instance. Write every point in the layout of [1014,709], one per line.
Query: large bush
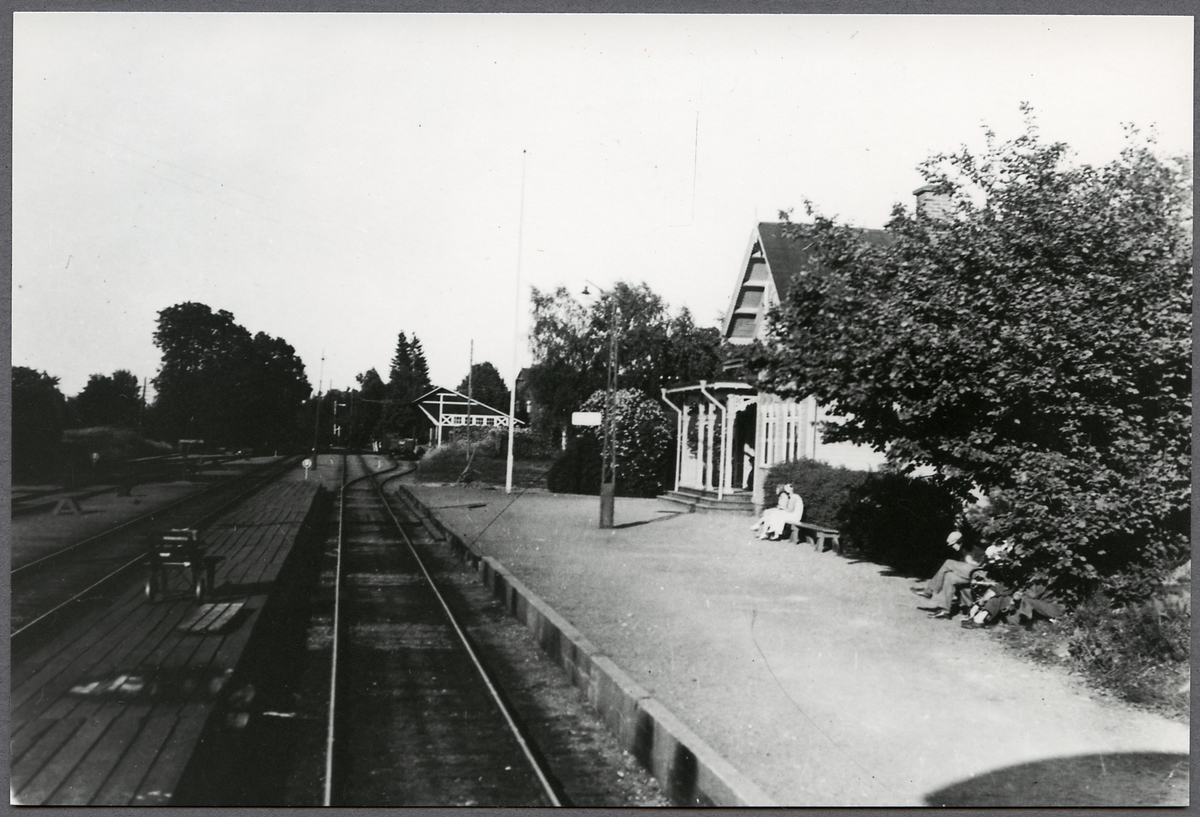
[890,518]
[644,449]
[900,521]
[1131,648]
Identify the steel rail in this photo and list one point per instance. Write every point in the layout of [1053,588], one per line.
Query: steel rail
[509,717]
[327,798]
[331,724]
[141,557]
[271,468]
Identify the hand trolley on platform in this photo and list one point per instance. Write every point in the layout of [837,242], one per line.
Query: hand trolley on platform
[183,548]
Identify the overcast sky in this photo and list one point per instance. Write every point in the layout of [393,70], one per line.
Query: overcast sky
[335,179]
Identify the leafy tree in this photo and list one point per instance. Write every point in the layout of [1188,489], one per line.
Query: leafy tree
[486,386]
[1033,343]
[692,352]
[276,387]
[108,401]
[202,353]
[366,408]
[566,355]
[570,347]
[37,422]
[220,384]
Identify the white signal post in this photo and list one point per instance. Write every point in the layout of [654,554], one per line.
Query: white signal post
[512,395]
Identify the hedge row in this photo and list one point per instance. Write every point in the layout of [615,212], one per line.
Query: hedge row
[885,517]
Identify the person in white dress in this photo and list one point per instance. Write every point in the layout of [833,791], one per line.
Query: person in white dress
[788,511]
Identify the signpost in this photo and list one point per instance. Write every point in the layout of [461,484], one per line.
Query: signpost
[587,418]
[307,464]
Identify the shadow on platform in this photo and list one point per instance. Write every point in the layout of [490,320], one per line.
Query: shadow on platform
[1131,779]
[666,515]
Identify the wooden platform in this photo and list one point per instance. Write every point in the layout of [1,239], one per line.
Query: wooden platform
[109,713]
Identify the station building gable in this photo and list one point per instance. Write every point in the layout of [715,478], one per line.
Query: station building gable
[777,255]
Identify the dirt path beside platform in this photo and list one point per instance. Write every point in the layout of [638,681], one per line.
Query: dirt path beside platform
[816,676]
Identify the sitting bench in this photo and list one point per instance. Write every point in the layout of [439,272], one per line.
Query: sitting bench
[817,536]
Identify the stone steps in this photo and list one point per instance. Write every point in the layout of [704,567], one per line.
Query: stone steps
[697,501]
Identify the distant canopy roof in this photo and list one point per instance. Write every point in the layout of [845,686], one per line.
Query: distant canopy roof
[446,407]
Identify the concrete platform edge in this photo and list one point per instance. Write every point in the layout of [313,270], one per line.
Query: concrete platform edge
[690,770]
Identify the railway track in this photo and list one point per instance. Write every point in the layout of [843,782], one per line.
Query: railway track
[48,589]
[414,715]
[371,669]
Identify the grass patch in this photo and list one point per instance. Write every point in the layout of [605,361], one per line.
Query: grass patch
[1140,653]
[448,462]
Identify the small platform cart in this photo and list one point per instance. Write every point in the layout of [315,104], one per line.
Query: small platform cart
[183,548]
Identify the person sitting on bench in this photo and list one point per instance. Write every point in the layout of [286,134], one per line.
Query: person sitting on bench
[951,577]
[788,511]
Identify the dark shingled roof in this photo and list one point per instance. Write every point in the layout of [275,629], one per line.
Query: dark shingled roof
[787,257]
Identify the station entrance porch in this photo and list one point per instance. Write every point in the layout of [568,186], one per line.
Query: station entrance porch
[728,435]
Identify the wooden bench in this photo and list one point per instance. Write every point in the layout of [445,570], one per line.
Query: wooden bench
[816,535]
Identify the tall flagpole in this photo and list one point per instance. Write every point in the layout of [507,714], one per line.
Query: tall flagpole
[512,395]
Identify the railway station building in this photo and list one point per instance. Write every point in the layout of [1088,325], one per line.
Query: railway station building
[730,433]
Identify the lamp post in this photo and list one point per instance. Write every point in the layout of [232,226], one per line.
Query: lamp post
[608,467]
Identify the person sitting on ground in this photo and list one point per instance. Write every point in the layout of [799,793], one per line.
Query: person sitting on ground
[1036,600]
[789,510]
[992,602]
[951,578]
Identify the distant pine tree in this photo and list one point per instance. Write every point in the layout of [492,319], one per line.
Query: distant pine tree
[409,379]
[420,368]
[402,363]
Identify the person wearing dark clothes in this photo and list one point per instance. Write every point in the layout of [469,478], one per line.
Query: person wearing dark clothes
[1036,600]
[953,576]
[993,603]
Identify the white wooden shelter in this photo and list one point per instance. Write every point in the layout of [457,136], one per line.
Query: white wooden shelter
[446,408]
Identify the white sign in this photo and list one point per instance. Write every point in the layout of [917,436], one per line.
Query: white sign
[307,464]
[586,418]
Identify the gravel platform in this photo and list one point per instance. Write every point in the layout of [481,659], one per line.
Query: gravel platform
[813,675]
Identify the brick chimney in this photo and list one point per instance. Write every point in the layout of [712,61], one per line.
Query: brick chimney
[934,202]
